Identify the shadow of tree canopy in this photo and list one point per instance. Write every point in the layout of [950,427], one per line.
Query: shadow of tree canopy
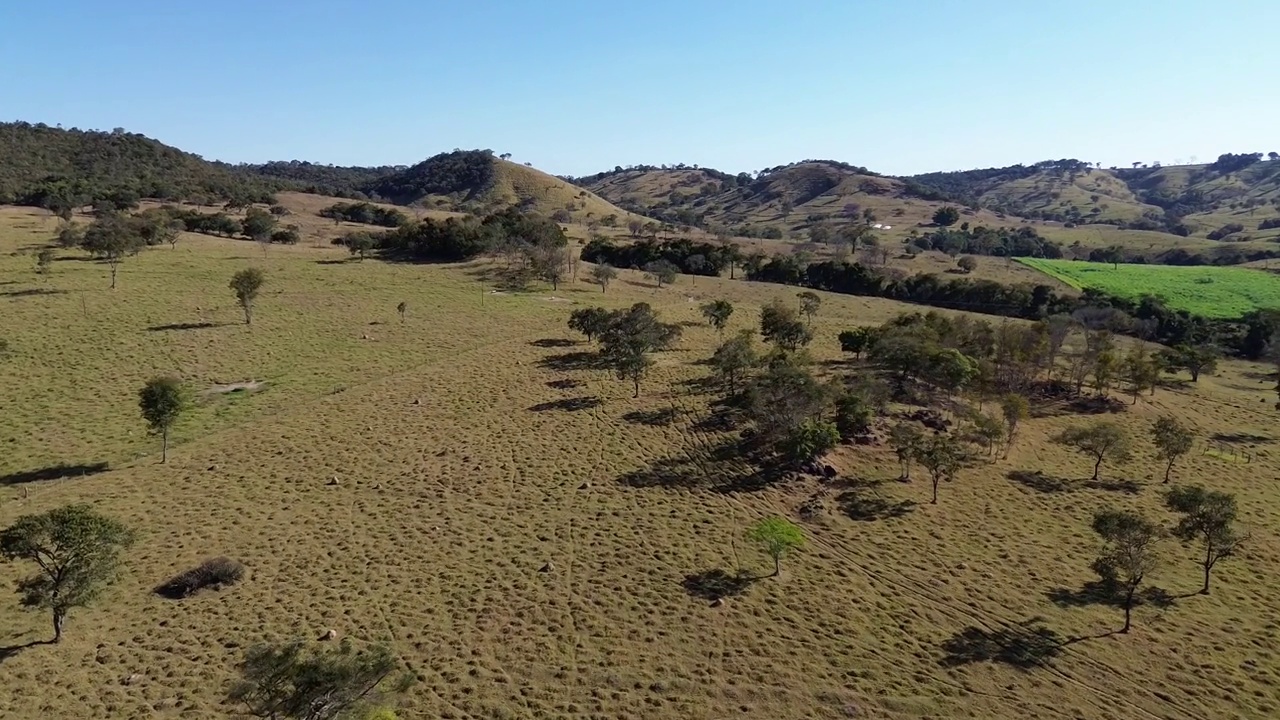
[729,467]
[1241,437]
[31,292]
[1124,486]
[862,501]
[565,384]
[552,343]
[54,472]
[577,360]
[186,326]
[1025,646]
[1038,481]
[1109,593]
[717,583]
[573,404]
[9,651]
[653,418]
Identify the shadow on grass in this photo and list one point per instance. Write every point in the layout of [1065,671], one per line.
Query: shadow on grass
[578,360]
[54,472]
[553,343]
[9,651]
[717,583]
[1241,437]
[1110,594]
[637,283]
[32,292]
[343,261]
[186,326]
[701,386]
[653,418]
[726,468]
[1124,486]
[1038,481]
[863,502]
[565,384]
[1025,646]
[574,404]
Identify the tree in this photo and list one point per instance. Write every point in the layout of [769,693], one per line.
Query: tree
[1273,156]
[401,309]
[1129,554]
[1098,440]
[780,326]
[549,262]
[905,438]
[809,304]
[258,225]
[359,243]
[808,440]
[1207,516]
[602,275]
[1195,359]
[1015,409]
[733,358]
[111,239]
[589,321]
[291,680]
[777,536]
[662,272]
[77,551]
[629,338]
[44,260]
[246,285]
[941,455]
[1141,371]
[1104,371]
[70,235]
[967,264]
[695,264]
[950,369]
[634,226]
[853,414]
[946,216]
[717,313]
[162,401]
[856,340]
[1172,440]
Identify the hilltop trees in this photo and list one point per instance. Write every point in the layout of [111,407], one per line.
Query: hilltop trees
[1099,441]
[292,680]
[1128,556]
[246,285]
[77,552]
[162,401]
[1208,517]
[717,313]
[1172,440]
[777,536]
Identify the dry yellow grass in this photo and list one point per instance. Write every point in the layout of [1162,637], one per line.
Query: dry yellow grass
[462,472]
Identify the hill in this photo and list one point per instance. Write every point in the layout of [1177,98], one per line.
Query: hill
[331,180]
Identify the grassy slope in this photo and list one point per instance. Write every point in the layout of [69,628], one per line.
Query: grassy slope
[447,507]
[1046,192]
[1224,292]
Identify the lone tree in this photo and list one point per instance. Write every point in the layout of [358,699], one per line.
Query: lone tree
[941,455]
[602,275]
[162,401]
[77,551]
[905,439]
[809,304]
[401,309]
[946,216]
[258,224]
[44,260]
[1172,440]
[717,313]
[590,321]
[628,339]
[777,536]
[1129,556]
[549,262]
[1015,409]
[246,285]
[733,359]
[967,264]
[1099,441]
[292,680]
[780,326]
[1195,359]
[856,340]
[111,239]
[1207,516]
[359,244]
[662,272]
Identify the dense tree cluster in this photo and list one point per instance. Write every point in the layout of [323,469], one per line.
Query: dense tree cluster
[692,258]
[1234,162]
[462,171]
[1001,242]
[364,212]
[331,180]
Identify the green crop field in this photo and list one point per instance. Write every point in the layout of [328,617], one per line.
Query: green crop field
[1217,292]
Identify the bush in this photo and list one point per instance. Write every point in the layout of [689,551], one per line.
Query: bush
[366,213]
[216,573]
[1225,230]
[1269,224]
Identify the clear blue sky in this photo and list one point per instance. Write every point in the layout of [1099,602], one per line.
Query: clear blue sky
[899,86]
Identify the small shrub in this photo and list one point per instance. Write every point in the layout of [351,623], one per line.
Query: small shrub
[216,573]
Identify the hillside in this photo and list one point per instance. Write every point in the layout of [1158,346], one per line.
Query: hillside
[331,180]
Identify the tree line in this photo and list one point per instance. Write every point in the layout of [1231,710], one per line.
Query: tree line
[365,213]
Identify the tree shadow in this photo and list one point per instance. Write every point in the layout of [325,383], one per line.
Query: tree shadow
[31,292]
[186,326]
[653,418]
[54,472]
[1109,593]
[565,384]
[637,283]
[9,651]
[579,360]
[1241,437]
[1025,646]
[343,261]
[1124,486]
[701,385]
[1038,481]
[1097,405]
[862,501]
[727,468]
[574,404]
[717,583]
[552,343]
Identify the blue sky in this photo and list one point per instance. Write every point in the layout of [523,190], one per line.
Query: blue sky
[574,87]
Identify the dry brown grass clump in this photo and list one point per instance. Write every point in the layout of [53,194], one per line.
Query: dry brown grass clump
[215,573]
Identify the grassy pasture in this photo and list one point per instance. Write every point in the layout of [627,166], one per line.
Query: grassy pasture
[1220,292]
[473,444]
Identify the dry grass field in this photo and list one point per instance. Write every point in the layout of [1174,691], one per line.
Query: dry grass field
[519,529]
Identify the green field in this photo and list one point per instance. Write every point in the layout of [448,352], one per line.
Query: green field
[1216,292]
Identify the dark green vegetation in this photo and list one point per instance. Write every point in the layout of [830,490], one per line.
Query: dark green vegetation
[367,213]
[310,682]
